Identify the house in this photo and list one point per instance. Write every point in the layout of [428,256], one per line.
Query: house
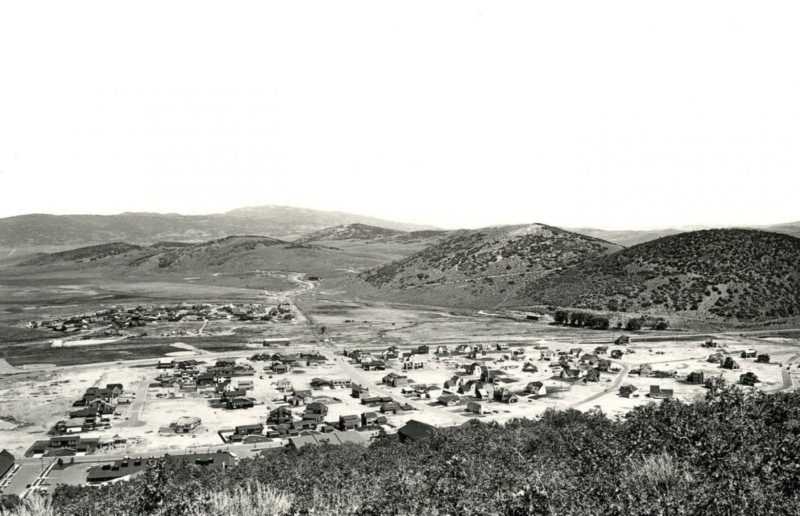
[656,392]
[592,375]
[749,353]
[601,350]
[415,431]
[332,438]
[490,376]
[238,403]
[115,389]
[349,422]
[423,350]
[317,408]
[603,365]
[374,365]
[448,400]
[454,382]
[63,445]
[341,383]
[715,358]
[696,377]
[410,365]
[709,343]
[119,469]
[391,407]
[749,379]
[570,373]
[6,464]
[547,354]
[628,391]
[763,358]
[185,424]
[372,419]
[475,407]
[622,340]
[279,368]
[395,380]
[505,396]
[537,388]
[280,415]
[645,370]
[616,354]
[576,351]
[255,429]
[530,368]
[283,385]
[357,391]
[664,374]
[730,363]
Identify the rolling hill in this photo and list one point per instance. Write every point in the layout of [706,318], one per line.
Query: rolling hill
[483,267]
[628,238]
[281,222]
[721,273]
[350,232]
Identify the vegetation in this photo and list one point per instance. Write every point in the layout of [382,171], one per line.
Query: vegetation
[581,319]
[725,273]
[735,453]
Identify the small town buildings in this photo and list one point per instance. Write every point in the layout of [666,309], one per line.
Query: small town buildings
[238,403]
[763,358]
[616,354]
[696,377]
[656,392]
[622,340]
[537,388]
[576,352]
[395,380]
[730,363]
[749,379]
[6,464]
[410,365]
[349,422]
[415,431]
[530,368]
[601,350]
[592,375]
[505,396]
[373,365]
[547,354]
[372,419]
[628,391]
[280,415]
[185,424]
[255,429]
[357,391]
[645,370]
[715,358]
[709,343]
[448,400]
[475,407]
[333,438]
[749,353]
[423,349]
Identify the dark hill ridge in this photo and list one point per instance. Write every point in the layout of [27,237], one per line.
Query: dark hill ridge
[726,273]
[485,266]
[277,221]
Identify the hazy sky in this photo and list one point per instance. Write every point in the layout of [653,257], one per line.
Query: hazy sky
[458,114]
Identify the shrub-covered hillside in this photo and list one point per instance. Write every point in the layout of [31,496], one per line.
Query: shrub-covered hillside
[727,273]
[735,453]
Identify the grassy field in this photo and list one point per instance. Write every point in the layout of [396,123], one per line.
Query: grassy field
[42,353]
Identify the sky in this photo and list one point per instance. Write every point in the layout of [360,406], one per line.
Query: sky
[617,115]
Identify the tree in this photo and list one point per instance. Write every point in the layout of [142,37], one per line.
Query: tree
[561,316]
[633,324]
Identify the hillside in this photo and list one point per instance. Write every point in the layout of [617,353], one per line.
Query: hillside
[725,273]
[484,266]
[225,256]
[350,232]
[282,222]
[629,238]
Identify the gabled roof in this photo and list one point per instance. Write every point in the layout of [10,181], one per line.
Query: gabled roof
[6,462]
[415,430]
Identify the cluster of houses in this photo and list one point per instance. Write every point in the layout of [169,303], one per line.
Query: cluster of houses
[227,381]
[282,363]
[128,467]
[93,410]
[118,318]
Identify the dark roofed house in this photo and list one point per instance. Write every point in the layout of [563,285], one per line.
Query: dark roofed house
[6,463]
[622,340]
[656,392]
[696,377]
[119,469]
[255,429]
[749,379]
[616,354]
[349,422]
[415,431]
[627,391]
[280,415]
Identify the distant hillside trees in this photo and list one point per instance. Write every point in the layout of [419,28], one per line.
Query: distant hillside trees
[581,319]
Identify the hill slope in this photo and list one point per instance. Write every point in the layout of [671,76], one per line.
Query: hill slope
[485,266]
[629,238]
[276,221]
[726,273]
[350,232]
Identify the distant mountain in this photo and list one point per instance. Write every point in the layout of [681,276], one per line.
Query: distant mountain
[723,273]
[630,238]
[283,222]
[484,266]
[626,238]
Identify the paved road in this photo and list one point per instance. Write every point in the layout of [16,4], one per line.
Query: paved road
[786,374]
